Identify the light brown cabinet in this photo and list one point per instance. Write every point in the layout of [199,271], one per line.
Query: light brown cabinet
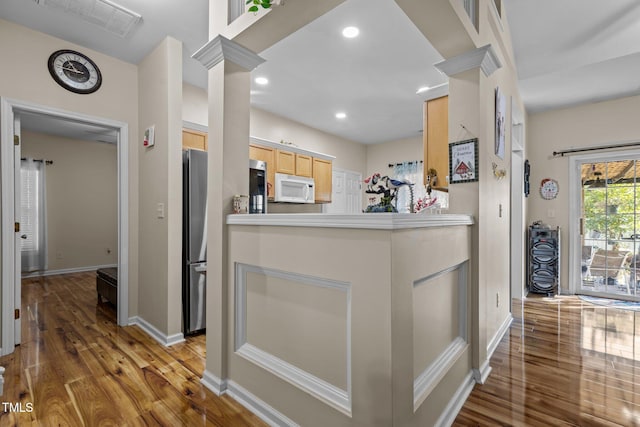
[435,138]
[322,176]
[304,165]
[285,162]
[194,139]
[267,155]
[291,163]
[294,161]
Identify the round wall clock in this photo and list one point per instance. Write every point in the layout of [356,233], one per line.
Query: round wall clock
[74,71]
[548,188]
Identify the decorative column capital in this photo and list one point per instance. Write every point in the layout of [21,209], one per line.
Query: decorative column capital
[483,57]
[221,49]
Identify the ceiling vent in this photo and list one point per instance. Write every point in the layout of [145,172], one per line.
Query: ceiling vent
[103,13]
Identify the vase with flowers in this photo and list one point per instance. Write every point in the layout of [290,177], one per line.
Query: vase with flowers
[388,189]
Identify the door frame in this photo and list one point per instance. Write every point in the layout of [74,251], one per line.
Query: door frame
[575,211]
[517,217]
[8,108]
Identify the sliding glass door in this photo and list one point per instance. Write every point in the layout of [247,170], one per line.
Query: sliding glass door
[610,228]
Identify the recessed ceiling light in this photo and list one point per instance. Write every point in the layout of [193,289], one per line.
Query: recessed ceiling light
[422,89]
[350,32]
[341,115]
[261,80]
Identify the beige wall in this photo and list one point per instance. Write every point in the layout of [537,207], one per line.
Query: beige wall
[588,125]
[349,155]
[160,183]
[195,107]
[82,199]
[379,156]
[117,99]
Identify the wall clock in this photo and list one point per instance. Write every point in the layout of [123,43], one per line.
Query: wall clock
[548,188]
[74,71]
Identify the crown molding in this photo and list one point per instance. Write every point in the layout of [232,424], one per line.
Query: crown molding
[221,49]
[484,57]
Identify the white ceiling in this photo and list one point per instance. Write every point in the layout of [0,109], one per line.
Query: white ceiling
[571,52]
[567,52]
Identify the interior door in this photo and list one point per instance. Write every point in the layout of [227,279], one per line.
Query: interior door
[18,234]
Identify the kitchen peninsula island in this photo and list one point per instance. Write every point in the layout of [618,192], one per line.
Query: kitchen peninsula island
[345,320]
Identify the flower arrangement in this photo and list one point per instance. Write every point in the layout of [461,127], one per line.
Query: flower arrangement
[388,188]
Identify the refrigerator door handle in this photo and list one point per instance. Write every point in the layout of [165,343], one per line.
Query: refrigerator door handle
[201,268]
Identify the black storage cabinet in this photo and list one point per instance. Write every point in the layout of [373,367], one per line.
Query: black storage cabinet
[543,259]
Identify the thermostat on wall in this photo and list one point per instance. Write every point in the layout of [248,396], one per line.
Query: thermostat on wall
[149,137]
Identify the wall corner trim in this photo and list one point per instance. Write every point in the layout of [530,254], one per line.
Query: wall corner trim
[221,49]
[214,383]
[481,375]
[484,57]
[155,333]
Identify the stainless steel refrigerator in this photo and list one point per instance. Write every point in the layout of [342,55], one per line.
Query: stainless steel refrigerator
[194,245]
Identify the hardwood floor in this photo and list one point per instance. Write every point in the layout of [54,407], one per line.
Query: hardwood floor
[565,362]
[76,367]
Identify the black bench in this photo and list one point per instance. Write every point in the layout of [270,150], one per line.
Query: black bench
[107,284]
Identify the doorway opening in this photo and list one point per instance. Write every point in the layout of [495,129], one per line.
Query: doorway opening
[608,217]
[11,112]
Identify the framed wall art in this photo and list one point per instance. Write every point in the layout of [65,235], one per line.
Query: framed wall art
[463,161]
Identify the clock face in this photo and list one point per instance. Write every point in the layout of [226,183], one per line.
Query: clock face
[549,188]
[74,71]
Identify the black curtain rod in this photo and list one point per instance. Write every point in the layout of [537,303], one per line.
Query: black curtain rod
[391,165]
[601,147]
[47,162]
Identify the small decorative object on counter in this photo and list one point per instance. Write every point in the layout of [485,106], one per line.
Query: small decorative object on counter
[240,204]
[388,188]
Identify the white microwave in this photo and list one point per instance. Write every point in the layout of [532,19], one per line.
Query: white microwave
[294,189]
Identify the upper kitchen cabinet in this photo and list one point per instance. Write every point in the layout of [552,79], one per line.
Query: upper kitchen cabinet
[292,160]
[322,176]
[285,162]
[435,138]
[267,155]
[304,165]
[194,139]
[292,163]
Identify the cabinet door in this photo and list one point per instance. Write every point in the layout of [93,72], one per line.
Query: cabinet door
[285,162]
[304,165]
[436,139]
[322,176]
[194,139]
[266,155]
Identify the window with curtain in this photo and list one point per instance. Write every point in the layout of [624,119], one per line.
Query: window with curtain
[33,216]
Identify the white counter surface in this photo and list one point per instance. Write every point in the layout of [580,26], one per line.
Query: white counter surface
[374,221]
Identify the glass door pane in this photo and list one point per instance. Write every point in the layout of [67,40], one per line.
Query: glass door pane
[611,229]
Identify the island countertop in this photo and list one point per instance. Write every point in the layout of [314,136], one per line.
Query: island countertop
[374,221]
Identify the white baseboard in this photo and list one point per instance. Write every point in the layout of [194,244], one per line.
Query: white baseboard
[67,270]
[155,333]
[265,412]
[450,412]
[213,383]
[495,341]
[261,409]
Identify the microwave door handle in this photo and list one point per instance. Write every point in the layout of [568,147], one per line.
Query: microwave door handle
[306,195]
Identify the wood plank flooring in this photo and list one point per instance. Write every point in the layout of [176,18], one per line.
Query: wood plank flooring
[564,362]
[76,367]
